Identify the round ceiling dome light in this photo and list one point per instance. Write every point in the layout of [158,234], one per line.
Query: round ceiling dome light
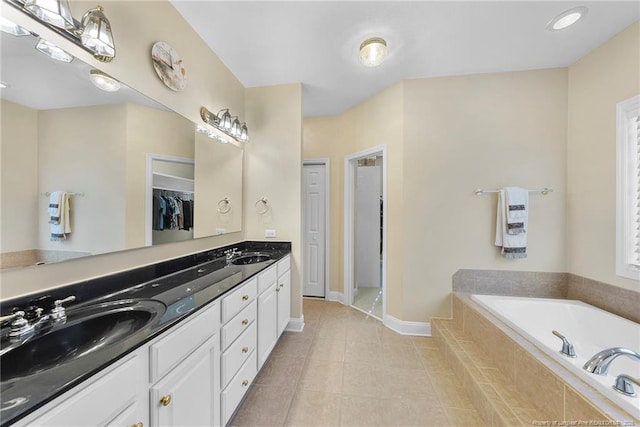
[373,51]
[103,81]
[567,18]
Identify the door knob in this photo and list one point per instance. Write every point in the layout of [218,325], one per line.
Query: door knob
[165,400]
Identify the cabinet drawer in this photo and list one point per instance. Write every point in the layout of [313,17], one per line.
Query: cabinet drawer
[238,324]
[181,341]
[284,265]
[238,386]
[233,303]
[237,353]
[266,279]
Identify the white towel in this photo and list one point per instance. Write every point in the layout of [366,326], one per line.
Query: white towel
[60,229]
[513,246]
[517,202]
[55,203]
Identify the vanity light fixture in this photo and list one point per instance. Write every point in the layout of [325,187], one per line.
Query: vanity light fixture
[236,127]
[373,51]
[210,134]
[244,133]
[53,51]
[103,81]
[224,120]
[226,123]
[13,29]
[567,18]
[92,33]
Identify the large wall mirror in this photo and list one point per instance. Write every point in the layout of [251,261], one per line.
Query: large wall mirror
[120,156]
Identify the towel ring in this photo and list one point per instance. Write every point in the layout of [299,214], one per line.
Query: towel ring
[265,206]
[224,206]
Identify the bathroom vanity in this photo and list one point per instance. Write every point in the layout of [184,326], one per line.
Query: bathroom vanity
[177,343]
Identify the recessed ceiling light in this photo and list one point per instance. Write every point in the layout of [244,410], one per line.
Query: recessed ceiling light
[53,51]
[11,28]
[103,81]
[567,18]
[373,51]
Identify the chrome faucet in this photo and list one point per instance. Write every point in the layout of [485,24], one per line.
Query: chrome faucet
[624,386]
[23,324]
[230,254]
[567,347]
[599,363]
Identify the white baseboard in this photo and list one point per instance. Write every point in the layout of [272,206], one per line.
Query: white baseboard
[335,296]
[402,327]
[296,324]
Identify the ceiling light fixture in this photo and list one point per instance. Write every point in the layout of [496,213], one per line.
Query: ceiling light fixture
[53,51]
[13,29]
[373,51]
[103,81]
[567,18]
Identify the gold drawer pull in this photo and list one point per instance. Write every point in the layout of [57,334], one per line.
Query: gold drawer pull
[245,349]
[245,322]
[245,383]
[245,297]
[282,285]
[165,400]
[138,425]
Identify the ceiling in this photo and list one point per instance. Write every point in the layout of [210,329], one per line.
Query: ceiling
[316,42]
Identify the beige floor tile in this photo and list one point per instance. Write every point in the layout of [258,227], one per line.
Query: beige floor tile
[364,380]
[264,406]
[463,417]
[390,337]
[417,412]
[313,408]
[425,342]
[292,344]
[450,391]
[433,360]
[332,330]
[408,383]
[364,411]
[322,375]
[327,349]
[363,352]
[362,331]
[281,371]
[405,356]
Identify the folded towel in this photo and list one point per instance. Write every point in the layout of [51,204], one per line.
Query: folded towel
[55,201]
[60,229]
[517,202]
[513,246]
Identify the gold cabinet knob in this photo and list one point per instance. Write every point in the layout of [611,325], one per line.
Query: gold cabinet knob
[245,322]
[245,383]
[245,297]
[245,349]
[282,285]
[165,400]
[138,425]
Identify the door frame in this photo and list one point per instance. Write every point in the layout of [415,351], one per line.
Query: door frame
[350,164]
[326,162]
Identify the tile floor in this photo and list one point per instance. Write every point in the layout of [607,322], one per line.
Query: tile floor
[369,300]
[347,369]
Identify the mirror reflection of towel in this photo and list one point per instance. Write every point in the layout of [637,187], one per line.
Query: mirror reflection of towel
[59,215]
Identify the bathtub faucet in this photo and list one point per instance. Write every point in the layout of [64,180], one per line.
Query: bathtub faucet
[599,363]
[567,347]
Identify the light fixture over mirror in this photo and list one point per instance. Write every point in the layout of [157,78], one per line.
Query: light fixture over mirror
[92,33]
[11,28]
[53,51]
[226,123]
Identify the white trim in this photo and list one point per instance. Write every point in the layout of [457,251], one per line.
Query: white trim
[335,296]
[349,172]
[148,204]
[402,327]
[327,232]
[296,324]
[624,239]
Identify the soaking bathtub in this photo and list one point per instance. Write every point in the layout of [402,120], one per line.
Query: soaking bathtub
[589,328]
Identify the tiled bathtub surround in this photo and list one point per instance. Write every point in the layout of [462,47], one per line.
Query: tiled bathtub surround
[31,257]
[623,302]
[510,379]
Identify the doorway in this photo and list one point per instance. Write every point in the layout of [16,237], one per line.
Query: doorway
[365,231]
[315,226]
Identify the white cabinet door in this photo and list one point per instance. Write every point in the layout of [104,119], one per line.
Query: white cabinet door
[189,394]
[267,323]
[284,301]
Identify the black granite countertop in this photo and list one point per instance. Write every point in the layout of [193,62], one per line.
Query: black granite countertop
[184,285]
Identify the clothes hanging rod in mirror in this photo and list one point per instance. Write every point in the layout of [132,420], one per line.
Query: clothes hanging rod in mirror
[544,191]
[71,193]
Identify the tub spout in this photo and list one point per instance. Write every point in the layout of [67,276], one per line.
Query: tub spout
[599,363]
[567,347]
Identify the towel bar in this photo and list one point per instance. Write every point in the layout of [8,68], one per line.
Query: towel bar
[543,191]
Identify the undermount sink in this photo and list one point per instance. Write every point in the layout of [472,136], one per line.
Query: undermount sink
[87,330]
[251,258]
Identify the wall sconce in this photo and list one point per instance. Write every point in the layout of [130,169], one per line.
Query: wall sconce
[92,33]
[226,123]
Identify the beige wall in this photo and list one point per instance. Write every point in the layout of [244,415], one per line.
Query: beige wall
[445,137]
[273,161]
[19,165]
[601,79]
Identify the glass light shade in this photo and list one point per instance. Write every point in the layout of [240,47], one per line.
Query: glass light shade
[96,34]
[244,133]
[53,51]
[224,120]
[567,18]
[54,12]
[13,29]
[236,128]
[103,81]
[373,51]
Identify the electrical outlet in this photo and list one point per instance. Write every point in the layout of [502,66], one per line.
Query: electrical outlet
[220,231]
[269,233]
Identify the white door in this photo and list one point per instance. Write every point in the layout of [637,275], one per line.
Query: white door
[314,229]
[367,218]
